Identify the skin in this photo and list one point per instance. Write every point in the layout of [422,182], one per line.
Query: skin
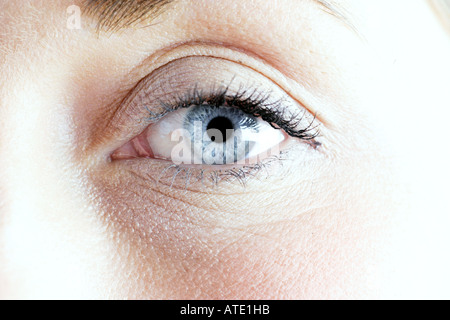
[363,216]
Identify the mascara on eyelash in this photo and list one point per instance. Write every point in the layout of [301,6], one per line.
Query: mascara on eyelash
[253,103]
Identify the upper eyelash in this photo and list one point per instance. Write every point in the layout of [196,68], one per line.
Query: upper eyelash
[252,103]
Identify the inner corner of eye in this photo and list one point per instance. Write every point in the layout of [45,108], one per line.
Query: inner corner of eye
[138,147]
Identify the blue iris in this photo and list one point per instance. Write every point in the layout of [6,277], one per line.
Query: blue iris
[216,133]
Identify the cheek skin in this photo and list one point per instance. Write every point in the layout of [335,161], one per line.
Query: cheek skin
[217,249]
[43,227]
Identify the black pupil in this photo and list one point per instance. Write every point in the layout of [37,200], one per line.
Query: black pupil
[222,124]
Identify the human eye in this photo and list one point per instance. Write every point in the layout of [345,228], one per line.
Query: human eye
[209,131]
[216,117]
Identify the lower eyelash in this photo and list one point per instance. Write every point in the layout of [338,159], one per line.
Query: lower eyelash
[214,177]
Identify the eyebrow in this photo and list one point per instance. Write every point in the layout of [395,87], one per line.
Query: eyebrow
[339,12]
[115,15]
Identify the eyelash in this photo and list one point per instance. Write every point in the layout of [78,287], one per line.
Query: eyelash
[241,175]
[253,103]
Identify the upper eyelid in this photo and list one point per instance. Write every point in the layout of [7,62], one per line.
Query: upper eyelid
[296,89]
[169,98]
[168,56]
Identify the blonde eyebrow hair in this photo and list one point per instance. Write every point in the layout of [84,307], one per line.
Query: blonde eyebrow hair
[114,15]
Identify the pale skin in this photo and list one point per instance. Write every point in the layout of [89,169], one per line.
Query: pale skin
[365,215]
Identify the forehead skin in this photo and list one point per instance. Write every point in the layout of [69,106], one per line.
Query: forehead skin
[362,220]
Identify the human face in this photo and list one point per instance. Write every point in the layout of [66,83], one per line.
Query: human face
[361,212]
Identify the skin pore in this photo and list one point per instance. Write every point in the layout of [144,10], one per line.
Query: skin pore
[363,216]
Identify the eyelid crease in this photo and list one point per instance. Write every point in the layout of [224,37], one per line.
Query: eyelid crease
[297,89]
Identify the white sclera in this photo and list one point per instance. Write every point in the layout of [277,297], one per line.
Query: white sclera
[169,141]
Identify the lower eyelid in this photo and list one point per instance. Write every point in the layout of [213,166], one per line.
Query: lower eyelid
[227,178]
